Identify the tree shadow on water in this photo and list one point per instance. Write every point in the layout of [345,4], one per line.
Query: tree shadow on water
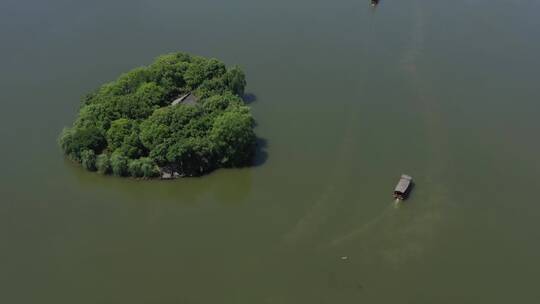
[261,155]
[249,98]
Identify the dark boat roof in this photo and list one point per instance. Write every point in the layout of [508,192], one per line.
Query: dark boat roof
[404,183]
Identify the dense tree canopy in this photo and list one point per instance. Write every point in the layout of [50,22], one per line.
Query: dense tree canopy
[129,128]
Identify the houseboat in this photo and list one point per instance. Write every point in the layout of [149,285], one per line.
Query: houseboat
[403,187]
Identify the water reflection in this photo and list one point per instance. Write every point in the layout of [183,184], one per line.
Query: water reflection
[261,155]
[222,186]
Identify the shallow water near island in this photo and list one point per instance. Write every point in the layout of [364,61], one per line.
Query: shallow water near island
[346,97]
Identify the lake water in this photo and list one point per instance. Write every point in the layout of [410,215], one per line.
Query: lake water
[347,99]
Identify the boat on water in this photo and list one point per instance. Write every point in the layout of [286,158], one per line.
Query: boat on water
[403,187]
[374,2]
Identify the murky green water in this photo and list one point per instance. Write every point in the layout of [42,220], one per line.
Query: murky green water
[348,98]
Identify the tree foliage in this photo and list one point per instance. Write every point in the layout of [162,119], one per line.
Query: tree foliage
[119,163]
[103,164]
[143,167]
[129,127]
[88,160]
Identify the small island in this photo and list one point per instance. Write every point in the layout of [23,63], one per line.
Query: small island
[182,115]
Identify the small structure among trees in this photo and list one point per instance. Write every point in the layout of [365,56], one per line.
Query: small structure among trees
[188,98]
[137,126]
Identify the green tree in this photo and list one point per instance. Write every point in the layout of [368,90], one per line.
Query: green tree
[236,80]
[130,124]
[217,104]
[143,167]
[103,164]
[117,133]
[148,167]
[134,168]
[201,69]
[156,129]
[88,160]
[233,137]
[74,141]
[193,156]
[124,135]
[119,163]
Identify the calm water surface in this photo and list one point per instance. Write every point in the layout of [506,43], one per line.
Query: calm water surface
[348,98]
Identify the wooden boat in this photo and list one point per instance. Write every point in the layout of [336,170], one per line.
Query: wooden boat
[403,187]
